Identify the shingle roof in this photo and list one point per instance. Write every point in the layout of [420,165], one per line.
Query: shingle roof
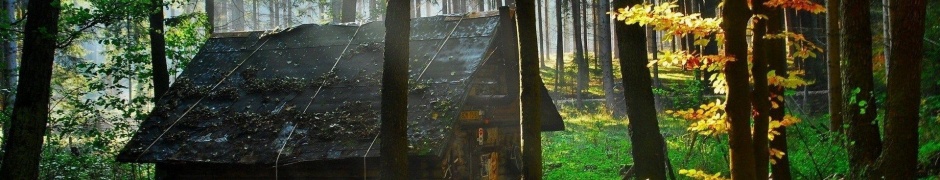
[311,93]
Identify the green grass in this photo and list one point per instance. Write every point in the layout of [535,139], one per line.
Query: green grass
[593,146]
[596,145]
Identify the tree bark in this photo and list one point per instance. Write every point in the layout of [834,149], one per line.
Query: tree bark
[7,77]
[161,76]
[255,24]
[559,46]
[274,9]
[31,109]
[761,93]
[584,33]
[222,16]
[886,32]
[289,10]
[899,158]
[777,59]
[613,102]
[543,37]
[648,155]
[238,15]
[546,22]
[210,15]
[579,58]
[349,11]
[531,95]
[833,54]
[738,107]
[394,127]
[709,10]
[858,86]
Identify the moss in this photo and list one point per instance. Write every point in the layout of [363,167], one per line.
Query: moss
[327,79]
[185,88]
[278,84]
[225,93]
[249,73]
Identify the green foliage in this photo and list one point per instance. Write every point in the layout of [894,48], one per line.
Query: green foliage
[98,102]
[684,94]
[929,149]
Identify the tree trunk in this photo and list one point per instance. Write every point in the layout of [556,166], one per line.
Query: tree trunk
[548,33]
[833,54]
[738,107]
[886,30]
[709,10]
[289,10]
[7,77]
[584,43]
[416,9]
[648,155]
[161,76]
[541,36]
[606,61]
[579,58]
[899,158]
[777,59]
[559,46]
[255,25]
[760,94]
[349,11]
[210,15]
[394,127]
[275,11]
[531,83]
[221,15]
[652,45]
[31,109]
[238,15]
[858,86]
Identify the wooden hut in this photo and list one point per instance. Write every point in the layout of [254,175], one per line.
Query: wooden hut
[303,103]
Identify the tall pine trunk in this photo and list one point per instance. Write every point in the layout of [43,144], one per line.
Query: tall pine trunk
[7,77]
[859,110]
[289,10]
[579,59]
[886,32]
[238,15]
[531,95]
[738,107]
[210,15]
[777,59]
[161,76]
[899,158]
[606,61]
[394,127]
[255,24]
[541,36]
[648,155]
[559,46]
[761,94]
[31,109]
[833,54]
[349,11]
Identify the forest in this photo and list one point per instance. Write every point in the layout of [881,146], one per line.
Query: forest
[470,89]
